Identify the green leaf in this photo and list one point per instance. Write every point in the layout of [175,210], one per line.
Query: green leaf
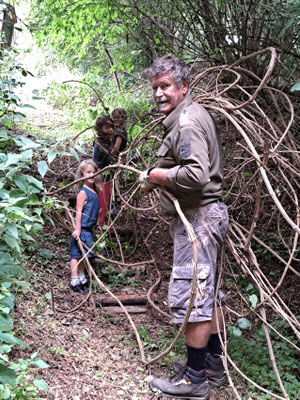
[7,375]
[74,153]
[52,154]
[41,364]
[8,338]
[13,230]
[21,182]
[236,332]
[11,270]
[42,168]
[38,184]
[253,299]
[295,87]
[6,323]
[244,323]
[20,116]
[80,149]
[41,384]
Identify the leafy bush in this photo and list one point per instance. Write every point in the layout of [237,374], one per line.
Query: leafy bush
[20,219]
[251,352]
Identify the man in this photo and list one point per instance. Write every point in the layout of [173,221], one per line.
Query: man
[190,168]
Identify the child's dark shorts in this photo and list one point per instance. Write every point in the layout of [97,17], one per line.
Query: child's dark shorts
[86,237]
[210,224]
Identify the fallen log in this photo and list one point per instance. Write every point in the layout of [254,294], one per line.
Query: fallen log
[130,309]
[130,300]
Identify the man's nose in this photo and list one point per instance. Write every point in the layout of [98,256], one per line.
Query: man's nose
[159,92]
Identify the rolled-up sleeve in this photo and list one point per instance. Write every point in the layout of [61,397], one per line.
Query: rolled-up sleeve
[191,150]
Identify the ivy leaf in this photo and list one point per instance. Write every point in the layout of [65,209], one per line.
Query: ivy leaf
[236,331]
[244,323]
[42,168]
[253,299]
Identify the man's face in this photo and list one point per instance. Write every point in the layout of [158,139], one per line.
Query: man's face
[167,94]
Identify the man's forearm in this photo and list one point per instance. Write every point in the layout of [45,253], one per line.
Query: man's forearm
[159,176]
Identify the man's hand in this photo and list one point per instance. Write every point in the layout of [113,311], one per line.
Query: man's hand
[145,185]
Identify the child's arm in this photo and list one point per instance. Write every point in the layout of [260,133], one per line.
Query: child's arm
[117,146]
[80,200]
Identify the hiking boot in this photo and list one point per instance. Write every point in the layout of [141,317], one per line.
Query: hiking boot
[180,386]
[76,288]
[216,374]
[215,371]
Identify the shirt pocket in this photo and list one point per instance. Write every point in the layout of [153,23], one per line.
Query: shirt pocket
[163,150]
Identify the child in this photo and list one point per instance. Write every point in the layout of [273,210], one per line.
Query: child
[87,209]
[119,118]
[103,144]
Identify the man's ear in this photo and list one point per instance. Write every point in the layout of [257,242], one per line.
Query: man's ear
[185,87]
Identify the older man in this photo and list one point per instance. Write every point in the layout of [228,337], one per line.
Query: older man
[190,168]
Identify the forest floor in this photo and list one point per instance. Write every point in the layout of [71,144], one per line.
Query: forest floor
[92,353]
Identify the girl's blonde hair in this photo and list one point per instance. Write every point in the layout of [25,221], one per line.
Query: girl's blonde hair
[79,174]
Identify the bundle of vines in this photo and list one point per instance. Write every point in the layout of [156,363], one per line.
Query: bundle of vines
[261,186]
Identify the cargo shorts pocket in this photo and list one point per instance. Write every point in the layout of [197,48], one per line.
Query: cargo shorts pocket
[181,283]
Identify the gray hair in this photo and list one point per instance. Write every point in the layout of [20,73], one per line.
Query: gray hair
[166,64]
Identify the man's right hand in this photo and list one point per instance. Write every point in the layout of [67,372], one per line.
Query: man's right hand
[145,185]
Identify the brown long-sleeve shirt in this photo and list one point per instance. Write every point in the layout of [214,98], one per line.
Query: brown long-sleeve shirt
[191,151]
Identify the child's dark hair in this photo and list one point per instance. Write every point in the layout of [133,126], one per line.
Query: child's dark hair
[120,114]
[103,119]
[79,174]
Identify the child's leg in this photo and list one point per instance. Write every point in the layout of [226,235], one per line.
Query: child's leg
[75,270]
[104,197]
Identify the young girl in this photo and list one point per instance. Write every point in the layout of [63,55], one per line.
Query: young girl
[87,209]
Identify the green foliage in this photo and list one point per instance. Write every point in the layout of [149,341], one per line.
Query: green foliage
[81,33]
[249,349]
[162,340]
[82,106]
[20,219]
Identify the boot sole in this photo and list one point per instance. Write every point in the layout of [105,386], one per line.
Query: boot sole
[161,394]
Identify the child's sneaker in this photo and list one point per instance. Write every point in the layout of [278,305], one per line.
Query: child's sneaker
[85,287]
[76,288]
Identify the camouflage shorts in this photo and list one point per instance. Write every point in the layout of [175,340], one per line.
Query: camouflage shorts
[210,224]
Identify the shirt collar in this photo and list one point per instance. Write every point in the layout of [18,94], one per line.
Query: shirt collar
[175,114]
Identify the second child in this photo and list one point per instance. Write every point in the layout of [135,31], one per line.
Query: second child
[87,210]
